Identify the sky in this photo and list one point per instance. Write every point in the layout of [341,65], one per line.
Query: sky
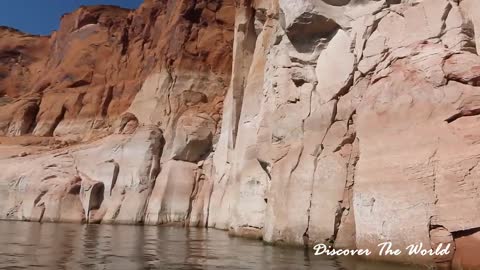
[41,17]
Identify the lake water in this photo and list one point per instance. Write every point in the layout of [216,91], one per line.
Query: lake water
[73,246]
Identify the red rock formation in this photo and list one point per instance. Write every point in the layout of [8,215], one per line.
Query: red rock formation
[154,79]
[22,59]
[349,123]
[87,73]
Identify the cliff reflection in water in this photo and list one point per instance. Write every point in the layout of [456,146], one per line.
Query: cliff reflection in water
[73,246]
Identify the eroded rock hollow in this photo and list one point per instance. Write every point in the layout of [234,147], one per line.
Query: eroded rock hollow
[349,123]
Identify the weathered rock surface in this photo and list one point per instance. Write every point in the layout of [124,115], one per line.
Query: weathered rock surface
[82,77]
[360,135]
[112,100]
[349,123]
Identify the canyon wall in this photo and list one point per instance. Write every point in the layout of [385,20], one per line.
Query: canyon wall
[345,122]
[90,114]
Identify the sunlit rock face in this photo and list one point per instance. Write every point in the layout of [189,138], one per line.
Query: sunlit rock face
[355,126]
[298,122]
[112,120]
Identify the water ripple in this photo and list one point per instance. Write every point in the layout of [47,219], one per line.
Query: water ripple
[105,247]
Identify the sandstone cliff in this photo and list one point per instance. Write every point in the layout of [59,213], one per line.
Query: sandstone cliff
[347,122]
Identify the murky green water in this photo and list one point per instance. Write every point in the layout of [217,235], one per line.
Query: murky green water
[74,246]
